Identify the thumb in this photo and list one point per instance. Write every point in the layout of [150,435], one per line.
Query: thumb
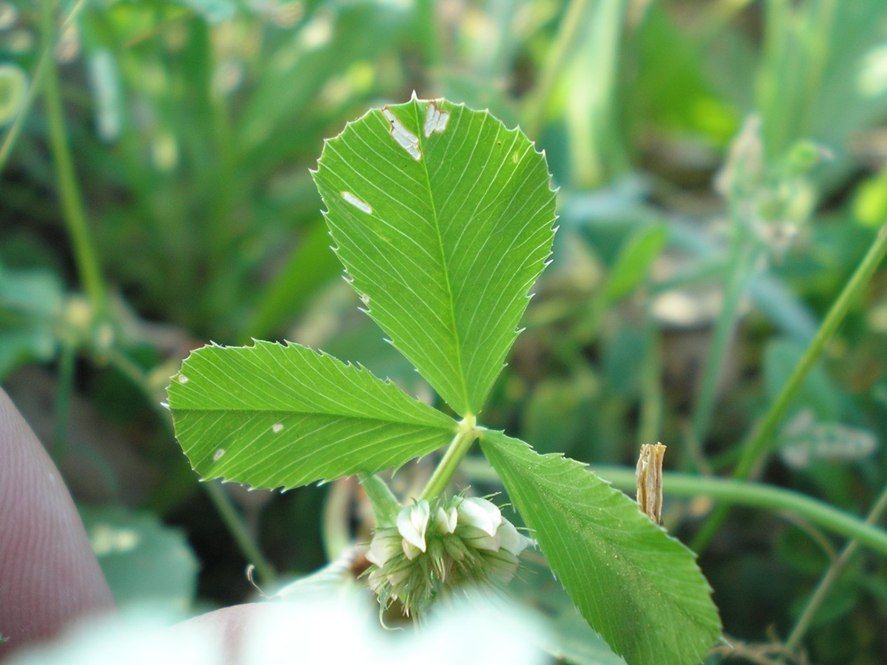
[48,573]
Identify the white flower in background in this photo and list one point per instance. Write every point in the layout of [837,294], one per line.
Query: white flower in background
[434,549]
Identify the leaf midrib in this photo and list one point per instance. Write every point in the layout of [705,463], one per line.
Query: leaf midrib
[248,412]
[443,260]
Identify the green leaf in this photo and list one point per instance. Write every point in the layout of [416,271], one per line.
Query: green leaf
[635,260]
[275,415]
[443,219]
[635,585]
[569,637]
[142,559]
[31,305]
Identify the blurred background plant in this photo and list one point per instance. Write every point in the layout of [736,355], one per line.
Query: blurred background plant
[722,175]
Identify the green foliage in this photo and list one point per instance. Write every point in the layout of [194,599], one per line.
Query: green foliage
[275,415]
[13,85]
[636,586]
[635,260]
[144,561]
[443,220]
[193,124]
[30,313]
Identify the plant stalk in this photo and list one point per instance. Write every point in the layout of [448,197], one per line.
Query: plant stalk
[71,199]
[741,264]
[757,445]
[730,491]
[459,446]
[36,83]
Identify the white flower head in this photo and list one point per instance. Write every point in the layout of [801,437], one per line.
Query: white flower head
[481,514]
[412,522]
[439,546]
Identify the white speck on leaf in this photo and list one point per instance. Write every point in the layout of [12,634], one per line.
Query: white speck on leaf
[183,378]
[357,203]
[277,428]
[218,454]
[435,120]
[404,137]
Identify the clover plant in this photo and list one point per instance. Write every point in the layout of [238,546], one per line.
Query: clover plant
[443,219]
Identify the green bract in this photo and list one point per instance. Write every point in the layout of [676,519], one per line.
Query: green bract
[443,219]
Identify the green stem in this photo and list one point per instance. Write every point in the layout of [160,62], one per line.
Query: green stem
[831,576]
[72,202]
[567,36]
[250,550]
[459,446]
[46,51]
[15,129]
[756,446]
[738,492]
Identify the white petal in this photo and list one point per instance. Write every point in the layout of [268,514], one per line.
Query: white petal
[412,522]
[502,565]
[446,520]
[478,539]
[384,545]
[480,513]
[410,550]
[511,539]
